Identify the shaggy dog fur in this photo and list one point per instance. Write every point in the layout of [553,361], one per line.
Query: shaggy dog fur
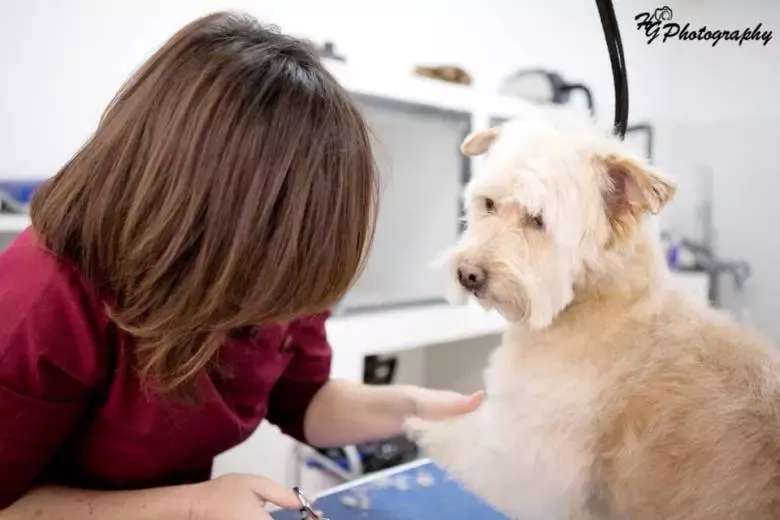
[613,394]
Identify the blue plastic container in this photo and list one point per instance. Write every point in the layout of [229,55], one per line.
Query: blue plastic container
[15,195]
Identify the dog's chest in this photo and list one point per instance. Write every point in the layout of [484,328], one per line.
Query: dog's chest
[544,413]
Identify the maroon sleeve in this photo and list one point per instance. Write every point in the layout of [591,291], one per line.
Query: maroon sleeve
[308,371]
[47,364]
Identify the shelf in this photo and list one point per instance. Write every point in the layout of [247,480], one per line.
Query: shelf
[405,329]
[427,93]
[13,223]
[407,90]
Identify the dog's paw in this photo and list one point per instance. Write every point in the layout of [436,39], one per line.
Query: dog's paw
[438,440]
[415,429]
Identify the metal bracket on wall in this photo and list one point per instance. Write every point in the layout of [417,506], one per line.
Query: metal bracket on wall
[328,51]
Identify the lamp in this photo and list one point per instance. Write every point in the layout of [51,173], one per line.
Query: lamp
[543,86]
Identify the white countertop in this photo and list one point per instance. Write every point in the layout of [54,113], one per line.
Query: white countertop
[409,328]
[13,224]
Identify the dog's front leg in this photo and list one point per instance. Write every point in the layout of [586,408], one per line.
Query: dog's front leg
[470,449]
[448,442]
[466,446]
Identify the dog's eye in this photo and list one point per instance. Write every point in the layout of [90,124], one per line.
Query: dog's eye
[537,222]
[490,205]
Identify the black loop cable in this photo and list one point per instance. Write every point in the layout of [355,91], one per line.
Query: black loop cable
[615,48]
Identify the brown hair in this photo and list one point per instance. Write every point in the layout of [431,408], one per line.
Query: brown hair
[229,183]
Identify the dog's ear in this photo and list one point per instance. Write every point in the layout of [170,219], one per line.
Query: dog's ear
[632,189]
[477,143]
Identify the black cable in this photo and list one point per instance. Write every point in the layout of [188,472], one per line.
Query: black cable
[612,36]
[621,104]
[617,60]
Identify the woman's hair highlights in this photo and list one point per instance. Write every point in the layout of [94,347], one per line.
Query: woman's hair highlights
[229,183]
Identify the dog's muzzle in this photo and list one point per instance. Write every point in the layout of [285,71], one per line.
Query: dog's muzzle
[472,277]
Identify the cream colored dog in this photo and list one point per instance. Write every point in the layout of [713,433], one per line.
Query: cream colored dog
[613,395]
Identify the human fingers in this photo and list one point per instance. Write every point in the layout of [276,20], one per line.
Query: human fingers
[274,493]
[441,405]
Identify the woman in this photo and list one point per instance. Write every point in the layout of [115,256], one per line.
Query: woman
[173,289]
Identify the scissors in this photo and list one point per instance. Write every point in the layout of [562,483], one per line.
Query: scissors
[307,512]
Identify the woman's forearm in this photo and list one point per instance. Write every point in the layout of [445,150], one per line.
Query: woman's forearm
[345,413]
[57,503]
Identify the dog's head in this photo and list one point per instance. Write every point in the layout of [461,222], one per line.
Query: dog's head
[553,202]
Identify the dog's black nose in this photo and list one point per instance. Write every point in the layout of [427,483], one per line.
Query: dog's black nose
[472,277]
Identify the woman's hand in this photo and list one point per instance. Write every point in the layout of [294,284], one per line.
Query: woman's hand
[231,497]
[344,412]
[441,404]
[239,497]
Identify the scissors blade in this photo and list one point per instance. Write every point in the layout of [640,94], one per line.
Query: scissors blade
[307,511]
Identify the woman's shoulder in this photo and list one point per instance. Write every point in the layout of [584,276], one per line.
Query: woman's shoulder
[26,249]
[47,309]
[30,273]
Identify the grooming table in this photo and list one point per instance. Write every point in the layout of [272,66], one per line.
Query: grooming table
[419,490]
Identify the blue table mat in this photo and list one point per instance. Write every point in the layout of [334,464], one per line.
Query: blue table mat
[422,492]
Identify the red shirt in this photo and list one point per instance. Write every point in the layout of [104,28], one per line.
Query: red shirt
[72,411]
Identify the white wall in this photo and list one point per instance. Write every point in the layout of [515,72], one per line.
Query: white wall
[744,157]
[724,116]
[63,61]
[66,59]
